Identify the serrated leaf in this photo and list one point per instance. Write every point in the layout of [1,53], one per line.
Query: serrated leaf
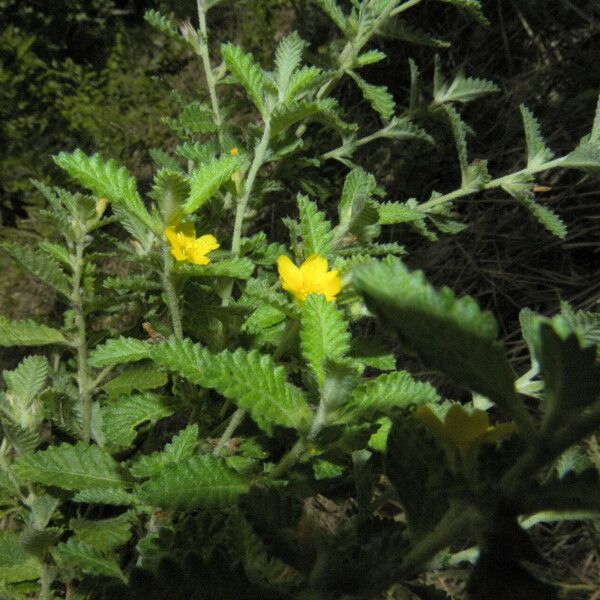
[584,158]
[324,334]
[236,268]
[87,559]
[378,96]
[180,448]
[358,185]
[465,89]
[472,7]
[459,132]
[21,439]
[245,70]
[537,151]
[103,534]
[44,267]
[585,323]
[450,334]
[117,351]
[28,379]
[302,81]
[405,129]
[207,179]
[324,110]
[385,395]
[550,220]
[15,564]
[391,213]
[572,378]
[131,283]
[170,189]
[315,228]
[249,379]
[402,30]
[70,467]
[370,57]
[199,481]
[287,59]
[121,417]
[162,23]
[137,378]
[105,495]
[259,290]
[196,118]
[107,179]
[56,251]
[334,12]
[38,541]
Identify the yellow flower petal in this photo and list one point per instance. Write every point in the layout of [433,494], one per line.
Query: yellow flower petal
[289,275]
[313,268]
[427,417]
[464,428]
[331,285]
[201,247]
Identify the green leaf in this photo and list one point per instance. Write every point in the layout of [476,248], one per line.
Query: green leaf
[370,57]
[44,267]
[121,417]
[71,467]
[195,118]
[585,158]
[37,542]
[207,179]
[105,495]
[302,81]
[138,378]
[249,379]
[287,59]
[169,190]
[104,534]
[585,323]
[199,481]
[236,268]
[245,70]
[315,228]
[465,89]
[450,334]
[399,29]
[21,439]
[416,467]
[324,110]
[107,179]
[324,334]
[117,351]
[358,186]
[550,220]
[572,378]
[334,12]
[391,213]
[15,564]
[162,23]
[537,151]
[87,559]
[181,447]
[472,7]
[28,379]
[378,96]
[385,395]
[459,132]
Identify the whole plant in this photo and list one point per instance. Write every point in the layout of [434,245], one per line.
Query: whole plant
[229,412]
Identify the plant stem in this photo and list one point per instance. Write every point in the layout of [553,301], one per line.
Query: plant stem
[85,394]
[405,6]
[454,523]
[48,575]
[171,296]
[236,418]
[494,183]
[289,459]
[257,162]
[208,73]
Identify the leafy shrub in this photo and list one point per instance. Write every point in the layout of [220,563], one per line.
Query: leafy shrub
[212,421]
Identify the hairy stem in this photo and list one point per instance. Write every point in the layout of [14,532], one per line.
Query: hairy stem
[289,459]
[494,183]
[236,418]
[169,288]
[208,72]
[85,393]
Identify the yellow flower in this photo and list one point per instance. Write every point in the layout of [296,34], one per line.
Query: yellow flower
[233,151]
[186,247]
[312,277]
[461,429]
